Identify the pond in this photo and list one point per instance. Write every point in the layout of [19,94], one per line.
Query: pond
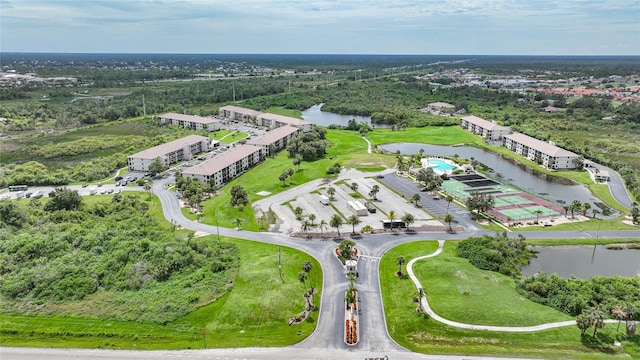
[552,188]
[583,262]
[315,115]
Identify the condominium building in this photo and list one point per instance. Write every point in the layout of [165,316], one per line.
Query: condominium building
[487,129]
[224,168]
[544,153]
[257,118]
[274,140]
[169,153]
[190,121]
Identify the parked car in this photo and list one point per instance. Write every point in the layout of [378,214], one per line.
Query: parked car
[118,183]
[110,191]
[99,184]
[85,185]
[118,178]
[28,195]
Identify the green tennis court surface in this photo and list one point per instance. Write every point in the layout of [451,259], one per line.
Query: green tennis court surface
[511,200]
[528,212]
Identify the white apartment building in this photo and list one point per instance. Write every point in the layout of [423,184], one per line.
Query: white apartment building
[278,138]
[169,153]
[223,168]
[190,121]
[257,118]
[547,154]
[487,129]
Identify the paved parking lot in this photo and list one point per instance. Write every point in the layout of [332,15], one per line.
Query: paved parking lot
[307,197]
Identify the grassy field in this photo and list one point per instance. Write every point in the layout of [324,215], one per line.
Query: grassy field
[286,112]
[348,148]
[491,299]
[253,313]
[447,135]
[227,136]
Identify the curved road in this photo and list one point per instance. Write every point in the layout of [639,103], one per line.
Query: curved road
[327,340]
[433,315]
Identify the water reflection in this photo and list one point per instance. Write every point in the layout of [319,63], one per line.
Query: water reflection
[315,115]
[577,261]
[552,188]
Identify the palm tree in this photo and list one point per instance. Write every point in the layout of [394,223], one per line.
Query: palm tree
[237,222]
[306,226]
[538,213]
[283,177]
[298,212]
[331,191]
[306,267]
[448,199]
[408,220]
[296,162]
[448,218]
[620,312]
[585,208]
[354,187]
[345,247]
[147,187]
[353,220]
[415,198]
[566,209]
[303,278]
[336,222]
[322,226]
[597,316]
[312,217]
[391,216]
[399,262]
[575,205]
[374,191]
[583,322]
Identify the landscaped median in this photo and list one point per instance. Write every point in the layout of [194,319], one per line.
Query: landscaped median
[458,291]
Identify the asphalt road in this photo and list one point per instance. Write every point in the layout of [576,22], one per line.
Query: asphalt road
[327,340]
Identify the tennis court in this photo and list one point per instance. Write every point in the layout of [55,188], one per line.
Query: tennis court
[511,200]
[529,212]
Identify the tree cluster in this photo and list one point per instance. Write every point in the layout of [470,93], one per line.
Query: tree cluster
[573,295]
[496,253]
[310,145]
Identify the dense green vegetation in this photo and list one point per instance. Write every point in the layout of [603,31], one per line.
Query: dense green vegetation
[496,253]
[459,291]
[139,309]
[112,255]
[574,295]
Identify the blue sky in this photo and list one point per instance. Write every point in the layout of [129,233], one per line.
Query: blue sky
[486,27]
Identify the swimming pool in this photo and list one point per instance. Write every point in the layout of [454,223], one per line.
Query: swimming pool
[440,165]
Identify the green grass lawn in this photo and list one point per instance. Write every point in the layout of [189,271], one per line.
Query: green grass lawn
[492,299]
[227,136]
[253,313]
[446,135]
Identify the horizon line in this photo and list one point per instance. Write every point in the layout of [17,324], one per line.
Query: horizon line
[310,54]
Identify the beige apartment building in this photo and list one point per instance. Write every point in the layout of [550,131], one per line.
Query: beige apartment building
[277,139]
[257,118]
[169,153]
[545,153]
[224,168]
[190,121]
[486,129]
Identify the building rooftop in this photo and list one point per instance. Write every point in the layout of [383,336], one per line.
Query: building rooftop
[441,104]
[485,124]
[213,165]
[192,118]
[169,147]
[241,110]
[284,119]
[542,146]
[273,135]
